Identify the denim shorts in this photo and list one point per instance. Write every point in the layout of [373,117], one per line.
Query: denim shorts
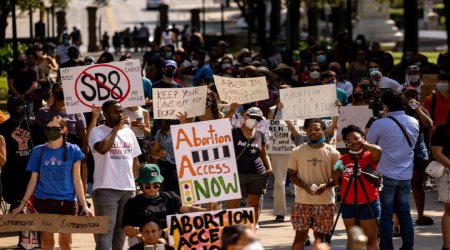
[348,211]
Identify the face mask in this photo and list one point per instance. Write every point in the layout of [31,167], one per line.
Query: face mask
[66,42]
[281,49]
[53,135]
[194,63]
[169,73]
[356,152]
[358,96]
[226,65]
[247,60]
[442,87]
[250,123]
[59,95]
[39,53]
[321,58]
[168,55]
[320,141]
[314,74]
[373,69]
[414,78]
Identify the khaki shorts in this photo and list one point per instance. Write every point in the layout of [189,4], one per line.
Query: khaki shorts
[318,217]
[443,183]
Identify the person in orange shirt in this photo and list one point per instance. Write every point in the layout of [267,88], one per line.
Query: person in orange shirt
[438,103]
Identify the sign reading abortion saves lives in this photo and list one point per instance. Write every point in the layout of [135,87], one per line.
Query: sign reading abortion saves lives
[168,102]
[206,163]
[85,86]
[203,230]
[241,90]
[309,102]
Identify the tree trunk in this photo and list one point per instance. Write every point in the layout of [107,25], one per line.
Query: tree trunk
[293,24]
[261,15]
[411,29]
[312,10]
[447,21]
[275,18]
[4,12]
[337,19]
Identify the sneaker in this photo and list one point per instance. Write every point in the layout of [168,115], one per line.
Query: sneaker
[279,218]
[396,232]
[307,241]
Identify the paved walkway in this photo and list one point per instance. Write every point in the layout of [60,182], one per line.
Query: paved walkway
[279,236]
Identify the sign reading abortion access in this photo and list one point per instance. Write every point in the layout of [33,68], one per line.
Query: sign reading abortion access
[85,86]
[309,102]
[168,102]
[206,163]
[54,223]
[241,90]
[281,142]
[202,230]
[352,115]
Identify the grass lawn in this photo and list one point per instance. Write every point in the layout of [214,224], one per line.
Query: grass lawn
[432,56]
[3,88]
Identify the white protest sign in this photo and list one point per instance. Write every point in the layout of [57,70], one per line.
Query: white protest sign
[281,142]
[224,108]
[167,102]
[85,86]
[206,162]
[352,115]
[309,102]
[241,90]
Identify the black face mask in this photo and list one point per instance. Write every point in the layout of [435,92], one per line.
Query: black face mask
[59,95]
[169,73]
[53,134]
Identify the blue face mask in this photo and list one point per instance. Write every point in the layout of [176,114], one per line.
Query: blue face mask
[308,139]
[321,58]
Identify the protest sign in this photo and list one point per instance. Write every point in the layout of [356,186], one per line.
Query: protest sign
[281,142]
[167,102]
[206,162]
[202,230]
[86,86]
[54,223]
[352,115]
[241,90]
[309,102]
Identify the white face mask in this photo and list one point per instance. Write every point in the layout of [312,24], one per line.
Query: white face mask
[414,78]
[356,152]
[194,63]
[251,123]
[442,87]
[314,74]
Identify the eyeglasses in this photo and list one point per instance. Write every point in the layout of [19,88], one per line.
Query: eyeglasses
[53,128]
[152,186]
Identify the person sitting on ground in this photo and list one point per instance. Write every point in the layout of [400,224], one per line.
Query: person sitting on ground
[151,235]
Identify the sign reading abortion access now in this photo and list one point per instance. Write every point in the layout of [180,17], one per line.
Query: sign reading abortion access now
[241,90]
[86,86]
[202,230]
[206,162]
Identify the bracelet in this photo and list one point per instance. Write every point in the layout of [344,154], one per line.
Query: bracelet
[23,201]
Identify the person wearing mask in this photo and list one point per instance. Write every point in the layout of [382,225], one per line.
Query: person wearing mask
[438,103]
[321,58]
[226,68]
[396,134]
[359,95]
[115,150]
[398,73]
[383,82]
[313,76]
[310,169]
[62,50]
[156,68]
[203,73]
[55,182]
[414,81]
[244,57]
[440,147]
[341,82]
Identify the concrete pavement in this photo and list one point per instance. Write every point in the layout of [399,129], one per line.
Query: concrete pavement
[275,235]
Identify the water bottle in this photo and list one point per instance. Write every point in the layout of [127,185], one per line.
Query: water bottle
[413,104]
[149,247]
[160,247]
[314,188]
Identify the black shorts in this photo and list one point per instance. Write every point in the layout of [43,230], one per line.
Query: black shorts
[50,206]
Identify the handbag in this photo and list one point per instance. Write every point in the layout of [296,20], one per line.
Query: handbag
[435,169]
[29,239]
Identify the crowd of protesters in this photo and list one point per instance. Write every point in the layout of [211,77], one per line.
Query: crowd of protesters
[104,151]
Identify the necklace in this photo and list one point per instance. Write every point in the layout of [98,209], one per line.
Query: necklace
[150,197]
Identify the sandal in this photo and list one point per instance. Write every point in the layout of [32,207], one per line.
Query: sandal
[424,221]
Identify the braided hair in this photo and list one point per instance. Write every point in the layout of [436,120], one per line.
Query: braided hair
[63,124]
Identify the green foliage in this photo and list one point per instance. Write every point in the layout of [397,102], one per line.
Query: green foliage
[6,56]
[24,5]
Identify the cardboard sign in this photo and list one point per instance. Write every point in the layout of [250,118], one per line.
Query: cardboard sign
[203,230]
[281,142]
[241,90]
[167,102]
[309,102]
[429,84]
[85,86]
[54,223]
[206,162]
[352,115]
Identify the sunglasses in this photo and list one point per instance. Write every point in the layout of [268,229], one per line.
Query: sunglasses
[53,128]
[150,186]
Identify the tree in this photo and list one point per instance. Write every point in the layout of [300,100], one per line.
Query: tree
[411,28]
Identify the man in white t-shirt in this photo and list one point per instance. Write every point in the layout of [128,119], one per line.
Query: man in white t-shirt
[115,150]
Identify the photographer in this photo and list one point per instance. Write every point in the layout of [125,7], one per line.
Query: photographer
[396,134]
[367,156]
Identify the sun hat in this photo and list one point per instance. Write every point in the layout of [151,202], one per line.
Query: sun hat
[149,173]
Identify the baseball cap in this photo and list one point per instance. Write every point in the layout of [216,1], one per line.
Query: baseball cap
[413,68]
[149,173]
[254,111]
[170,63]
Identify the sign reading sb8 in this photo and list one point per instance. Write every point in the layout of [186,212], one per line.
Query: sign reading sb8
[105,86]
